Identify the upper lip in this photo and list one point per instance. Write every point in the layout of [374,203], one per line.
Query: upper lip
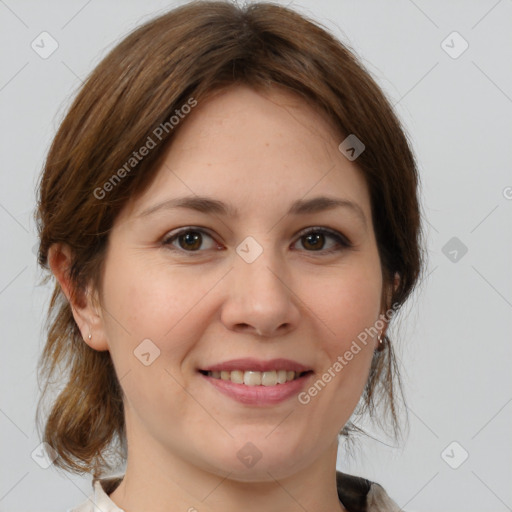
[258,365]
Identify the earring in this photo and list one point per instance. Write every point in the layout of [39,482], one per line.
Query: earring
[381,345]
[90,336]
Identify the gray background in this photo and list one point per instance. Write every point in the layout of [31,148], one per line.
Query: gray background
[454,333]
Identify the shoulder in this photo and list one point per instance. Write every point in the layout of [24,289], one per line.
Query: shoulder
[362,495]
[379,500]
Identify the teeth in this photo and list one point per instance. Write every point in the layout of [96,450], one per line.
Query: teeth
[250,378]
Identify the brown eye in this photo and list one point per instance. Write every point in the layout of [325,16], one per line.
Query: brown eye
[314,240]
[188,240]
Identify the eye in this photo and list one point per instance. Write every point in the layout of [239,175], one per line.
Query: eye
[189,239]
[315,239]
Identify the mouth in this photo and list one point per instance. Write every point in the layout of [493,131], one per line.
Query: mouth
[256,378]
[257,383]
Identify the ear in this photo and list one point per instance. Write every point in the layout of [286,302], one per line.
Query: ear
[84,304]
[387,311]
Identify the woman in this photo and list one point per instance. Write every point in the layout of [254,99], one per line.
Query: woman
[230,211]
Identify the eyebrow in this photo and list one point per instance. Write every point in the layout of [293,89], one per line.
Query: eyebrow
[206,204]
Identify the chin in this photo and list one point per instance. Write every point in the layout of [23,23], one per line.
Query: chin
[260,472]
[257,462]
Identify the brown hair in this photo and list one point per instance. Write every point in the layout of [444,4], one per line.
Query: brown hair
[190,52]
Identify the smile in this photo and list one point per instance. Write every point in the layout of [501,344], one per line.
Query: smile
[254,394]
[256,378]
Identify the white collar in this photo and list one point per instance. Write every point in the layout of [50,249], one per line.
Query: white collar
[102,499]
[99,501]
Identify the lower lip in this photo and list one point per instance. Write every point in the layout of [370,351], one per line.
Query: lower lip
[259,395]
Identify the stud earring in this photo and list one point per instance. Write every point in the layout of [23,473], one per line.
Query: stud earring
[382,346]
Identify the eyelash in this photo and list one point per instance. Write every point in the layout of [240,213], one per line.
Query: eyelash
[341,241]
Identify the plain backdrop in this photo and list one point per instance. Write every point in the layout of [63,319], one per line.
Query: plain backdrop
[453,92]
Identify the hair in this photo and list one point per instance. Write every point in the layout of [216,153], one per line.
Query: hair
[192,52]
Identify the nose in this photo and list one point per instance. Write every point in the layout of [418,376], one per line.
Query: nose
[260,298]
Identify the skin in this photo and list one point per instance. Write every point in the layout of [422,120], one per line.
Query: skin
[258,152]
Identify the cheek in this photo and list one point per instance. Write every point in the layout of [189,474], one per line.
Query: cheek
[149,301]
[141,305]
[350,304]
[350,307]
[146,301]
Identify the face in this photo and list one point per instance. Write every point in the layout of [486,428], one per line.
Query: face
[267,275]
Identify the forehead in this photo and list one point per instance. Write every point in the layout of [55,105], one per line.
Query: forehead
[245,120]
[255,151]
